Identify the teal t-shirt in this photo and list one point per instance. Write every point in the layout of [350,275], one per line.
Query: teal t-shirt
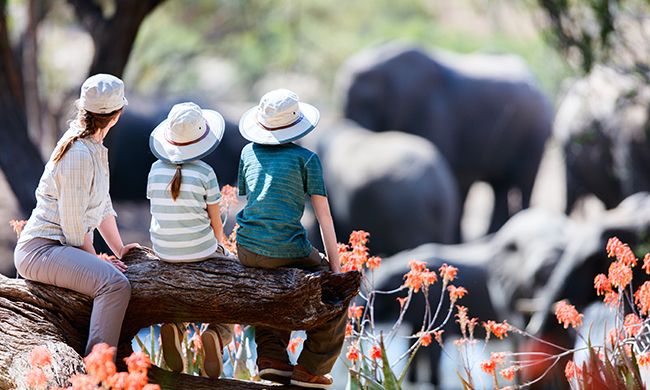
[275,180]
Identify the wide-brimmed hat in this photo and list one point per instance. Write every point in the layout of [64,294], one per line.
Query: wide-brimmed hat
[102,94]
[189,133]
[279,118]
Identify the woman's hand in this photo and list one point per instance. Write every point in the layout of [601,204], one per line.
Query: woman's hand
[126,248]
[118,264]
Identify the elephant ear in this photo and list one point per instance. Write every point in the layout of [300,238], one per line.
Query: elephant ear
[365,100]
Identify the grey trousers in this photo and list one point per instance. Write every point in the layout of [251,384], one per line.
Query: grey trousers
[49,262]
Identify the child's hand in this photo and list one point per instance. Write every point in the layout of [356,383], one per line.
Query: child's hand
[126,248]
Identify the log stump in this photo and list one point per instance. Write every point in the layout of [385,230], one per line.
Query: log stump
[218,290]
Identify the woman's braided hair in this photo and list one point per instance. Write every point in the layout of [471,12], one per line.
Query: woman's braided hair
[90,123]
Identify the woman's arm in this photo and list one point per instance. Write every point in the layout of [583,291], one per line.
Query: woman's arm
[324,217]
[214,212]
[108,229]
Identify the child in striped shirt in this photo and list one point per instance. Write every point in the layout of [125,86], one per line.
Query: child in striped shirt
[185,216]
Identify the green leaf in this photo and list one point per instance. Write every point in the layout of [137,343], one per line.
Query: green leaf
[354,382]
[390,381]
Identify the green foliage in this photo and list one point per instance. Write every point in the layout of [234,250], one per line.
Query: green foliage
[309,37]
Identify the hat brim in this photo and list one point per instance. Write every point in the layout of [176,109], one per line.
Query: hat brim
[165,151]
[250,128]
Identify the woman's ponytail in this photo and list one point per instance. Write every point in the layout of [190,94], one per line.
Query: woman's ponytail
[60,152]
[175,184]
[90,123]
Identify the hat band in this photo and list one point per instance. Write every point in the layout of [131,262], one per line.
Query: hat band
[205,134]
[301,117]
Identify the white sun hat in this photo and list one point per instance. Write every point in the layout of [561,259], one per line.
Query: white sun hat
[189,133]
[102,94]
[279,118]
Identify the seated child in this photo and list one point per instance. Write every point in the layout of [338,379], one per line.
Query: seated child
[185,216]
[275,174]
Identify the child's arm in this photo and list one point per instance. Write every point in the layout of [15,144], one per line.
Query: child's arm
[324,217]
[214,212]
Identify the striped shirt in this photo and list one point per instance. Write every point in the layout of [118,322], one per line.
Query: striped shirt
[275,179]
[72,196]
[180,229]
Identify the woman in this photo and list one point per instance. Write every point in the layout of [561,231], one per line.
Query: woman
[72,200]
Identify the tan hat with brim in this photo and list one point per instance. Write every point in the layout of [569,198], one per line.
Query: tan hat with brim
[279,118]
[189,133]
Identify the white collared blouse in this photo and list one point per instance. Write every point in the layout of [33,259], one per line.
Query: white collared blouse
[72,197]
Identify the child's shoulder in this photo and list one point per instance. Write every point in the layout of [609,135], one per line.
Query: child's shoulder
[199,166]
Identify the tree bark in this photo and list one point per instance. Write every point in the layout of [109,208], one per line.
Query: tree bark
[113,36]
[219,290]
[20,160]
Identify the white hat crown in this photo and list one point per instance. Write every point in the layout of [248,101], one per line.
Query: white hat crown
[278,109]
[186,123]
[102,94]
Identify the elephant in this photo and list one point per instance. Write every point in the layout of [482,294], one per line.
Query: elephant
[394,185]
[603,127]
[130,158]
[516,274]
[490,127]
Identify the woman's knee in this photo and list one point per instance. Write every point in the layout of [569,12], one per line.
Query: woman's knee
[118,282]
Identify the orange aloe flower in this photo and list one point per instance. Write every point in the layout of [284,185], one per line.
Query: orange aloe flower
[99,363]
[448,272]
[509,373]
[228,196]
[375,352]
[40,357]
[602,284]
[567,314]
[138,362]
[294,343]
[359,237]
[438,336]
[456,293]
[117,380]
[353,353]
[498,357]
[646,263]
[373,262]
[17,226]
[642,298]
[488,366]
[498,329]
[644,359]
[632,325]
[425,339]
[36,379]
[571,370]
[355,312]
[611,299]
[620,275]
[348,329]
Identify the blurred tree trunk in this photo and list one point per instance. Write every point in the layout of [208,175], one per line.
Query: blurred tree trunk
[113,35]
[20,160]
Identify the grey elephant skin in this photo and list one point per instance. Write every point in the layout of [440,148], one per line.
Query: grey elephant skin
[603,125]
[490,127]
[537,258]
[394,185]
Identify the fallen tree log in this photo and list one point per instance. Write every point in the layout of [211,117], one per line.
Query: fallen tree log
[219,290]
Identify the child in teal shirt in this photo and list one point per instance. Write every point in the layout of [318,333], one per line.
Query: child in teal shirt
[275,175]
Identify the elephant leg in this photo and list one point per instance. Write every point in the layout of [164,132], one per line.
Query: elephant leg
[501,212]
[463,190]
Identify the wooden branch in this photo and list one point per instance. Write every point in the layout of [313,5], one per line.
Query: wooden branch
[217,290]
